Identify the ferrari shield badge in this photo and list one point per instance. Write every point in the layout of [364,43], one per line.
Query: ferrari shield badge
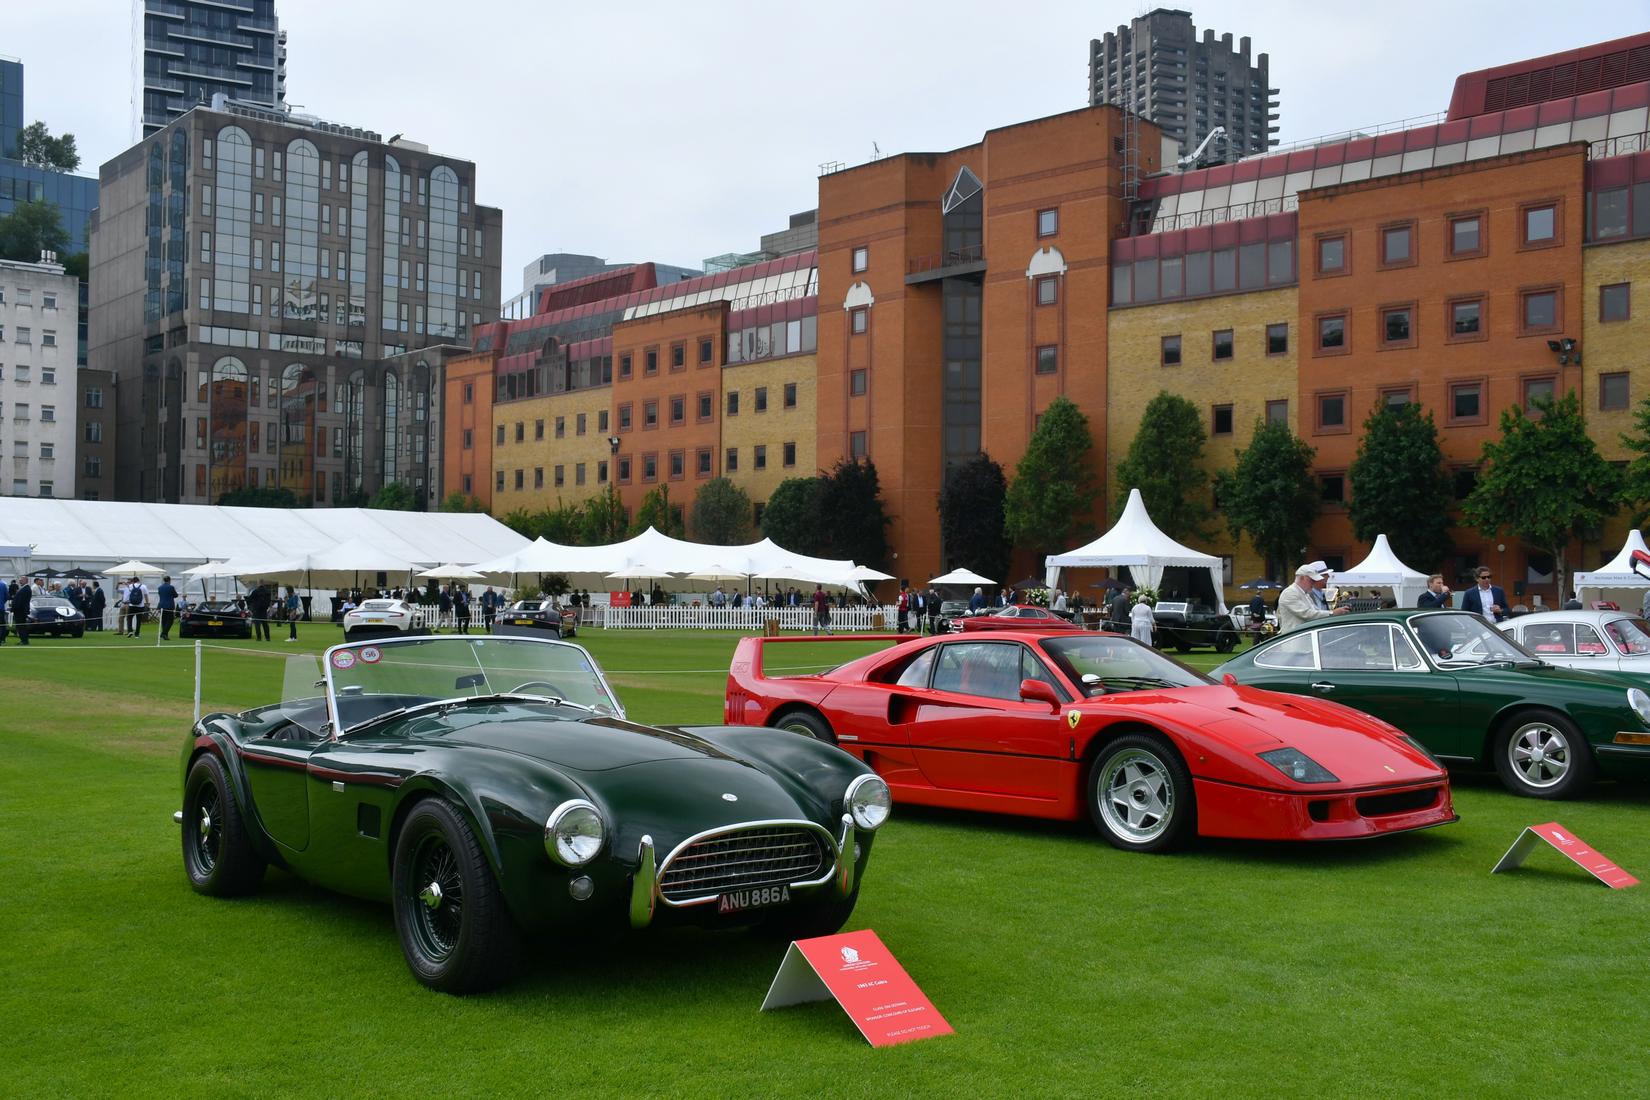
[1071,718]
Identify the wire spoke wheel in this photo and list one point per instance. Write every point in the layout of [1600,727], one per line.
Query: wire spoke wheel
[205,825]
[436,900]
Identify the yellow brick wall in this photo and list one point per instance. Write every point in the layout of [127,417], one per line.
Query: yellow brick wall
[1247,382]
[773,428]
[532,454]
[1614,347]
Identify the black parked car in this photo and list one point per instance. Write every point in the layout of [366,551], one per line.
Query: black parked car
[1184,625]
[217,619]
[536,619]
[56,616]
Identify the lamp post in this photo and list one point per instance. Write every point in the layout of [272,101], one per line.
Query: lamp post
[1501,561]
[613,486]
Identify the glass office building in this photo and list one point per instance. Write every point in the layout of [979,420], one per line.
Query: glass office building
[195,49]
[74,196]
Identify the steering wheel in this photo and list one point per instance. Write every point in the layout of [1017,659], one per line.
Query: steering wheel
[548,689]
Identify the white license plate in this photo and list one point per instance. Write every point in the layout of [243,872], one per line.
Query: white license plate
[740,901]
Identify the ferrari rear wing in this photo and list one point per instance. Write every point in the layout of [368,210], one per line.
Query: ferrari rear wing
[749,658]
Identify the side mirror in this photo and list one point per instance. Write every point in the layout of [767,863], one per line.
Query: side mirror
[1229,680]
[1040,692]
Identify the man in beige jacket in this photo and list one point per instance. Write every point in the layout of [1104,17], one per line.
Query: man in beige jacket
[1297,607]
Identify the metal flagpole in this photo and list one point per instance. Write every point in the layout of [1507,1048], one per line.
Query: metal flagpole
[197,679]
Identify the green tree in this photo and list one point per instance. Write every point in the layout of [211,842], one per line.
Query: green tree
[855,525]
[31,228]
[524,523]
[260,496]
[658,512]
[394,497]
[77,264]
[971,517]
[721,513]
[1544,481]
[602,521]
[1165,462]
[791,517]
[1635,486]
[1399,487]
[1269,495]
[562,524]
[1053,487]
[37,146]
[457,501]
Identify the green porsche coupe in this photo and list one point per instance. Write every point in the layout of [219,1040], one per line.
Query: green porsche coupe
[1468,693]
[491,790]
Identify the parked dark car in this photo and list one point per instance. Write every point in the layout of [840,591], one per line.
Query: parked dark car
[56,616]
[536,619]
[1186,625]
[492,791]
[215,619]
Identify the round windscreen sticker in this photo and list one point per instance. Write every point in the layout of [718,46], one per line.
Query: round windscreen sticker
[370,654]
[343,659]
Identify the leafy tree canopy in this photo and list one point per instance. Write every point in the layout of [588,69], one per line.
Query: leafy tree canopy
[457,501]
[1635,487]
[1053,487]
[32,228]
[1399,487]
[971,517]
[395,497]
[1165,462]
[658,512]
[1269,495]
[721,513]
[792,515]
[1543,481]
[261,496]
[36,146]
[853,523]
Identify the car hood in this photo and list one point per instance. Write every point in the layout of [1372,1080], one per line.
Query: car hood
[1554,678]
[1356,747]
[592,745]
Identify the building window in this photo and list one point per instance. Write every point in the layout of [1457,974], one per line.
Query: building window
[1277,412]
[1048,359]
[1332,255]
[733,402]
[761,402]
[1542,388]
[650,467]
[862,258]
[1613,391]
[701,462]
[856,445]
[624,366]
[1048,290]
[1332,412]
[469,439]
[1169,351]
[790,395]
[580,423]
[678,410]
[706,350]
[601,420]
[857,382]
[1540,225]
[521,431]
[1466,319]
[857,320]
[1332,488]
[650,365]
[1538,311]
[678,356]
[706,406]
[730,461]
[759,457]
[1615,302]
[1222,344]
[1466,403]
[1048,222]
[1398,327]
[1397,398]
[1332,334]
[601,473]
[789,455]
[521,479]
[1466,236]
[1277,339]
[469,393]
[1222,420]
[624,417]
[650,414]
[1398,245]
[624,471]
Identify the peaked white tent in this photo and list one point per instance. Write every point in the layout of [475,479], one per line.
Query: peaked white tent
[1136,543]
[1382,569]
[655,555]
[1617,573]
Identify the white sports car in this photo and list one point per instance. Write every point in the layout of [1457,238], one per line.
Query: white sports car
[1615,641]
[384,618]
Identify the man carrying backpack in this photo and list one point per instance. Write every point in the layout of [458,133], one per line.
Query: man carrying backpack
[137,600]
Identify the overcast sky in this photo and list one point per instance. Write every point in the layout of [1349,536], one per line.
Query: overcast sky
[647,130]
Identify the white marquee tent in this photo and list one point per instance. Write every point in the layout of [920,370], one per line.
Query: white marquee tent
[1382,569]
[655,555]
[1137,543]
[1615,579]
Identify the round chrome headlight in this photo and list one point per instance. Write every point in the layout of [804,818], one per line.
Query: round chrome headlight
[868,801]
[1640,702]
[575,833]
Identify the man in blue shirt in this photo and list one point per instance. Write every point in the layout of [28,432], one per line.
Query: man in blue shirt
[168,606]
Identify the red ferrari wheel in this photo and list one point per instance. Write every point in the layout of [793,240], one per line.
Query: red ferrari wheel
[1140,794]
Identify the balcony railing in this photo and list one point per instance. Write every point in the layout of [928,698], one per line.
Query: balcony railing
[973,254]
[1625,145]
[1257,209]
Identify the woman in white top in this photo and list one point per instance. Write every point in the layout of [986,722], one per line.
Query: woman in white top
[1141,622]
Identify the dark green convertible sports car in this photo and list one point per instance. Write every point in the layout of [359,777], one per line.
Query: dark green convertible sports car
[1468,693]
[492,791]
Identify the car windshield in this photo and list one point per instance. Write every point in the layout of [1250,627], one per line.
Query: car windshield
[527,605]
[1104,663]
[218,605]
[50,602]
[1463,639]
[368,680]
[1630,636]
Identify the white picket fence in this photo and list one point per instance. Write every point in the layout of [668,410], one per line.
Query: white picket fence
[752,619]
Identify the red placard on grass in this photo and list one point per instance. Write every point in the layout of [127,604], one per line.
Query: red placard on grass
[860,974]
[1578,851]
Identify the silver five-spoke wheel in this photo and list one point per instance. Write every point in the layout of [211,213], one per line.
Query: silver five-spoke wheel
[1140,794]
[1540,753]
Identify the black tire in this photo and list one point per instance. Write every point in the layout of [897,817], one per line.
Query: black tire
[1153,808]
[81,633]
[459,939]
[807,921]
[1541,754]
[217,853]
[1225,641]
[806,722]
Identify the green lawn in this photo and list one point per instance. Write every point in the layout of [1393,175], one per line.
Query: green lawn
[1397,967]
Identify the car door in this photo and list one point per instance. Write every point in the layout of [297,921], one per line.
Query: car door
[971,731]
[277,772]
[1375,668]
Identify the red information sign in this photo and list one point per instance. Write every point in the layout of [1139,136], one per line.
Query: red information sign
[618,599]
[861,974]
[1574,847]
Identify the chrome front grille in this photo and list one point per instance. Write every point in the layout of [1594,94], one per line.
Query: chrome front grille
[743,858]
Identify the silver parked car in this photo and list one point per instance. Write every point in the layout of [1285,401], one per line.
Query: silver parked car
[1593,640]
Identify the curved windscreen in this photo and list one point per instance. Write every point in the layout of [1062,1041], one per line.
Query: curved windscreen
[370,680]
[1465,639]
[1103,663]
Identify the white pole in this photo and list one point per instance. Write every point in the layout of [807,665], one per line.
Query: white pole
[197,679]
